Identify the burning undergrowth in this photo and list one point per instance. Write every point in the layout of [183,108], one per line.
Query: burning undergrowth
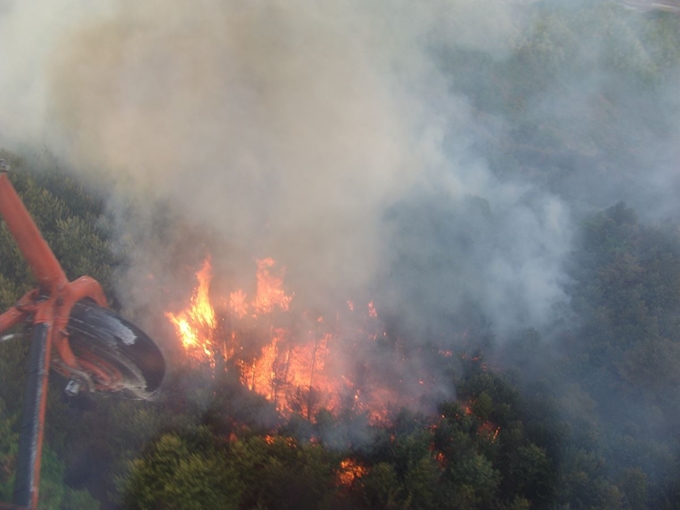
[301,360]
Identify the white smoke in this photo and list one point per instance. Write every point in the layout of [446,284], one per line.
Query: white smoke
[283,128]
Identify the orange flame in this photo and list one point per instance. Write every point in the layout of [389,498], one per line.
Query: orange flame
[195,325]
[238,304]
[350,471]
[270,292]
[299,369]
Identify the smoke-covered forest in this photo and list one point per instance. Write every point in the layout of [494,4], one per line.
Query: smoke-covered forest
[497,180]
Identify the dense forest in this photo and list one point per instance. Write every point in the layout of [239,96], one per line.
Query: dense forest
[581,412]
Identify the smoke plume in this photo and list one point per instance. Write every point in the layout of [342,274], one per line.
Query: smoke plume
[346,141]
[298,130]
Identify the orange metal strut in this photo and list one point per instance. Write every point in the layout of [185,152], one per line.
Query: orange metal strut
[48,308]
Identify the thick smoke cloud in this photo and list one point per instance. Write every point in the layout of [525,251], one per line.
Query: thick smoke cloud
[312,132]
[433,156]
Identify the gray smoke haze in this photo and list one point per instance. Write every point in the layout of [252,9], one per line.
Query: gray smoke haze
[286,129]
[437,157]
[347,141]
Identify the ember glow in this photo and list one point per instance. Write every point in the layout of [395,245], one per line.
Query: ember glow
[299,360]
[349,471]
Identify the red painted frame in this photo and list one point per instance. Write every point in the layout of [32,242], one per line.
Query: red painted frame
[49,307]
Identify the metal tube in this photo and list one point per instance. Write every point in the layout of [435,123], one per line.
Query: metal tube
[33,419]
[11,318]
[34,248]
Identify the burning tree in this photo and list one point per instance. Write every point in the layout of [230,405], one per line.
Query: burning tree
[298,360]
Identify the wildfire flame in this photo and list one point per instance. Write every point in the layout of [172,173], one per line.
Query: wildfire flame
[196,323]
[349,471]
[270,293]
[292,359]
